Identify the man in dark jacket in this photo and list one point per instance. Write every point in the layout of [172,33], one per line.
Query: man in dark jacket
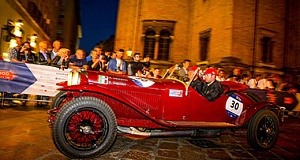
[135,65]
[43,55]
[211,89]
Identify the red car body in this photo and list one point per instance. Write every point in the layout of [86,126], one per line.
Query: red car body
[168,105]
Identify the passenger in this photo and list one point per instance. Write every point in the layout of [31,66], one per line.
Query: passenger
[183,72]
[211,89]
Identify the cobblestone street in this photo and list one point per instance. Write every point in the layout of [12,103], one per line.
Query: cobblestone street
[25,135]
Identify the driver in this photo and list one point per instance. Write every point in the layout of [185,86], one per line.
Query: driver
[209,88]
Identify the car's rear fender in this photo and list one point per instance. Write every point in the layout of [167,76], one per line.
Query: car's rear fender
[250,111]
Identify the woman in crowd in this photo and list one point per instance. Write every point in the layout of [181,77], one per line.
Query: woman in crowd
[62,58]
[25,55]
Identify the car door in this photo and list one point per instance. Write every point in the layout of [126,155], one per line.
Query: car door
[200,109]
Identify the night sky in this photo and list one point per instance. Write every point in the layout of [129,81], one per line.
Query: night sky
[98,21]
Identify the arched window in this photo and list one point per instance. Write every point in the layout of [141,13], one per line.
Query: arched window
[149,44]
[164,45]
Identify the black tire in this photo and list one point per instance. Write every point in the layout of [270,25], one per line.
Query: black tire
[73,122]
[59,99]
[263,130]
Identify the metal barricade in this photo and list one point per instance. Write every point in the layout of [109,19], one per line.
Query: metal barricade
[28,99]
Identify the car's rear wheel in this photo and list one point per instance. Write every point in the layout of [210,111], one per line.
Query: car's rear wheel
[59,99]
[84,128]
[263,130]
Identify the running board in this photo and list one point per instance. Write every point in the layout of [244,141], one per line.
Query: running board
[196,124]
[156,133]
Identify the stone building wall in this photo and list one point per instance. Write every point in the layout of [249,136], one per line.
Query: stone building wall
[236,28]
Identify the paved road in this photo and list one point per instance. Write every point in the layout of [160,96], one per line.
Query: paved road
[25,135]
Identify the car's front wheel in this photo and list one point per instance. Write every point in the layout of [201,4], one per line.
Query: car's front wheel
[263,130]
[84,128]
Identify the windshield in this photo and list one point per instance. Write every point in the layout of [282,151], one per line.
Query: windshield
[174,73]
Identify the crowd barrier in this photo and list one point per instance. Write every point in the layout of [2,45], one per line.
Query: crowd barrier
[24,78]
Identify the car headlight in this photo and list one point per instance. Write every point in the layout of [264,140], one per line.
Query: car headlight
[73,78]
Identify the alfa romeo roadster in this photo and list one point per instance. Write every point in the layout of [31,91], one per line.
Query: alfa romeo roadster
[93,107]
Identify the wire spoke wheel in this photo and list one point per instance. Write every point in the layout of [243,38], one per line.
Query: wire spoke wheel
[84,128]
[263,130]
[266,130]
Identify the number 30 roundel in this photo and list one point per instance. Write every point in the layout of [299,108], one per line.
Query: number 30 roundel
[234,106]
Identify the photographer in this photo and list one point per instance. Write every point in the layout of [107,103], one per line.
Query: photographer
[25,55]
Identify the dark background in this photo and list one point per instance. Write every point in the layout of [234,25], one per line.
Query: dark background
[98,21]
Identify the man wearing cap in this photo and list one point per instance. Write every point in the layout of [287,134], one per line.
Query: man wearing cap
[211,89]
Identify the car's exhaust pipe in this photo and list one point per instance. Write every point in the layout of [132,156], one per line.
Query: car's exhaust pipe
[134,131]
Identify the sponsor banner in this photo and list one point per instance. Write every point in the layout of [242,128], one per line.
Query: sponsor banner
[30,78]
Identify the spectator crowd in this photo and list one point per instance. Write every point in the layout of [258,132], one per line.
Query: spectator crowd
[113,62]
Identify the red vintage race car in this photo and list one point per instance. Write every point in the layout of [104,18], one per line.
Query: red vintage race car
[93,107]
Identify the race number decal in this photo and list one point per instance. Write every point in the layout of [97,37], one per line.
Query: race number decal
[234,106]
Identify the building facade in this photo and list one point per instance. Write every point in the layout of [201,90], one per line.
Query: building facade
[40,21]
[257,36]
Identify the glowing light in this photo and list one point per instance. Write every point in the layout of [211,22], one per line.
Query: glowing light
[5,56]
[129,52]
[33,40]
[12,43]
[17,30]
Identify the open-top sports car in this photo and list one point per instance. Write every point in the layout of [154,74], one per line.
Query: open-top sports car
[92,107]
